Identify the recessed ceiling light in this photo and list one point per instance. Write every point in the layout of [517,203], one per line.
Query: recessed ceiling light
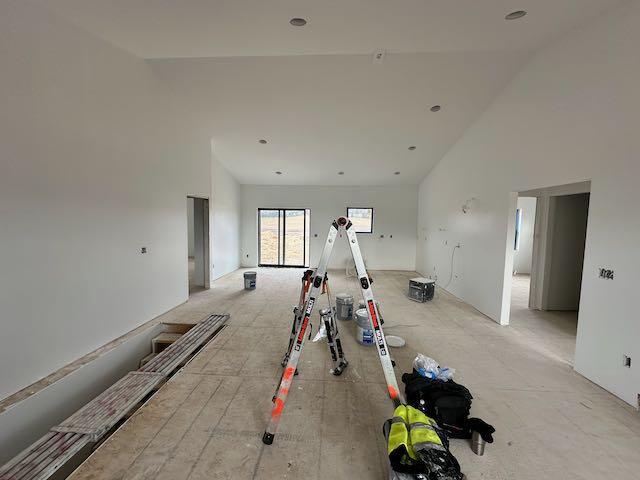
[340,173]
[396,173]
[298,22]
[412,147]
[262,141]
[278,173]
[435,108]
[516,15]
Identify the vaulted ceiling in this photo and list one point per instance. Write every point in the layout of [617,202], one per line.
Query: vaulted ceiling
[314,92]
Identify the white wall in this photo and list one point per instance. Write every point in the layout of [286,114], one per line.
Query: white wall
[571,114]
[224,225]
[394,214]
[522,258]
[95,162]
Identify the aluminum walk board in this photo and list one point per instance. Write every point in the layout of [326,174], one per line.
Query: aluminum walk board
[103,412]
[43,458]
[179,351]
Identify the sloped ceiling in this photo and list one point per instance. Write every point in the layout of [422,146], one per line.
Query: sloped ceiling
[314,92]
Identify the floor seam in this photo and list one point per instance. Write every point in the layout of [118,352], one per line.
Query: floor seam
[160,429]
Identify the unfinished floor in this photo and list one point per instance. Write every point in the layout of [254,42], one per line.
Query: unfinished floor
[207,421]
[555,331]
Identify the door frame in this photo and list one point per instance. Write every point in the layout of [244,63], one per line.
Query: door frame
[542,234]
[282,234]
[206,260]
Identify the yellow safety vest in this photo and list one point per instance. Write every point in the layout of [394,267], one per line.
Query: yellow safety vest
[411,432]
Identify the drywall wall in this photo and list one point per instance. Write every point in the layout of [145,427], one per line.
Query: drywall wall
[523,256]
[568,233]
[224,230]
[190,220]
[96,162]
[571,114]
[395,213]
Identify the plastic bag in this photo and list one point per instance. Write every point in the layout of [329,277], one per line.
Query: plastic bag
[428,367]
[322,333]
[446,373]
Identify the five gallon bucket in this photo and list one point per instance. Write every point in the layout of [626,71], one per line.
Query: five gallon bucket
[250,280]
[344,306]
[364,334]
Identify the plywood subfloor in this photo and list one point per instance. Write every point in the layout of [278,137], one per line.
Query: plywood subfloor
[207,421]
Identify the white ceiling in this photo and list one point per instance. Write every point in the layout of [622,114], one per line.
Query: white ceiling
[230,28]
[329,113]
[314,92]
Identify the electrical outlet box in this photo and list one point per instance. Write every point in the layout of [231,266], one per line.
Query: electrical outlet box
[626,361]
[605,273]
[378,56]
[143,250]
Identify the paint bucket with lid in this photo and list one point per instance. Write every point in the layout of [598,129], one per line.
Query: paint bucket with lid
[364,334]
[344,306]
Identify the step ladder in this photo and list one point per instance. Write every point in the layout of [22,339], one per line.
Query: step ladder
[312,288]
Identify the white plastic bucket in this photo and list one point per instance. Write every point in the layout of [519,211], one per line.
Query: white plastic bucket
[364,334]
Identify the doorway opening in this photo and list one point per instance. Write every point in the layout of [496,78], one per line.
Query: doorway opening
[283,237]
[198,244]
[523,252]
[550,228]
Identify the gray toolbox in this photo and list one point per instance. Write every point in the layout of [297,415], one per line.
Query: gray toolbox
[421,289]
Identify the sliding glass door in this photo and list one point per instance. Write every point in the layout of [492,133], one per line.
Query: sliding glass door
[283,237]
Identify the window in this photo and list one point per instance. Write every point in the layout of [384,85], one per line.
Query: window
[283,237]
[516,245]
[362,219]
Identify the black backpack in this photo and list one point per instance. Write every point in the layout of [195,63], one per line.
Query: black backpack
[447,402]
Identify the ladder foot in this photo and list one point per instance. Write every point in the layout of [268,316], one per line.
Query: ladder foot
[340,368]
[267,438]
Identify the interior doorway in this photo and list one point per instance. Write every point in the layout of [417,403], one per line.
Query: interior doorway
[198,244]
[548,255]
[283,237]
[523,252]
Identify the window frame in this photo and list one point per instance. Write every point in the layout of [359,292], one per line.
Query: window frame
[372,217]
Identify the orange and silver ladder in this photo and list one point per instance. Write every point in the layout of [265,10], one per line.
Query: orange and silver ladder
[302,317]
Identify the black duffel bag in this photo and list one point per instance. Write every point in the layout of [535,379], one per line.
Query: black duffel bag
[448,402]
